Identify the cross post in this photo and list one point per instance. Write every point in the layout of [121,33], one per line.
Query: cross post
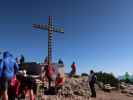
[51,28]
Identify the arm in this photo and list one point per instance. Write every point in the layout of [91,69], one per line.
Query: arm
[16,68]
[1,67]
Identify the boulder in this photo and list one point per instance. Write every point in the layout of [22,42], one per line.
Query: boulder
[125,91]
[108,88]
[123,85]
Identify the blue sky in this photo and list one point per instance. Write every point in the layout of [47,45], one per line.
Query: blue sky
[98,33]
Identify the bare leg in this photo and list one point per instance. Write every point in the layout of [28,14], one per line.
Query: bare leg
[31,95]
[5,95]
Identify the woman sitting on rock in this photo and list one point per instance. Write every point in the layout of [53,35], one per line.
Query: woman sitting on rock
[59,82]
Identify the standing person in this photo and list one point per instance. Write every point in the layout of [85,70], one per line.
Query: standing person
[60,61]
[46,60]
[17,60]
[49,72]
[73,71]
[9,67]
[92,81]
[29,88]
[22,60]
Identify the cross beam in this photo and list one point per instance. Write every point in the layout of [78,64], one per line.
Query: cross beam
[51,28]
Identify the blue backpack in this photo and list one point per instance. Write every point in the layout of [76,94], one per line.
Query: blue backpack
[8,68]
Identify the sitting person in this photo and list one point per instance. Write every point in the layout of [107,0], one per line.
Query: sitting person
[59,82]
[60,61]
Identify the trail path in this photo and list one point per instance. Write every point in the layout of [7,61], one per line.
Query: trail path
[111,96]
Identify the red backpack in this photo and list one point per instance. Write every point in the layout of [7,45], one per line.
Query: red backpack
[51,71]
[15,84]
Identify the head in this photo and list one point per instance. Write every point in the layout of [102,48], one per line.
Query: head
[73,62]
[58,75]
[60,59]
[22,55]
[46,59]
[91,72]
[6,54]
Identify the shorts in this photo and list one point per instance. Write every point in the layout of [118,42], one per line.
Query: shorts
[3,84]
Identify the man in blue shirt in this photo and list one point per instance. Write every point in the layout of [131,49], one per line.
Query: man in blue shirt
[8,69]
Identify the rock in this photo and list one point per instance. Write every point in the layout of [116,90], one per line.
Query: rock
[131,93]
[107,88]
[124,91]
[75,87]
[123,85]
[127,89]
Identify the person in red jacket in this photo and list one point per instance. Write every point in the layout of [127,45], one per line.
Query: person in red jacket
[73,67]
[49,72]
[13,90]
[59,82]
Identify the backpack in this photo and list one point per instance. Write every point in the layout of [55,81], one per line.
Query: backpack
[94,79]
[5,72]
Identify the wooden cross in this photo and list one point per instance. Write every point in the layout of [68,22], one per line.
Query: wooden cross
[51,28]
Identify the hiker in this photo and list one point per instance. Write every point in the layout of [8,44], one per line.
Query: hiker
[22,60]
[59,82]
[49,72]
[17,60]
[92,81]
[9,68]
[73,71]
[13,88]
[46,60]
[27,86]
[60,61]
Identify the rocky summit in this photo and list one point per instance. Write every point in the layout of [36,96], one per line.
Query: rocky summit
[75,87]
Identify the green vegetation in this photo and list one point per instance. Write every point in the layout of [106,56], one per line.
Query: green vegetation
[127,78]
[107,78]
[84,74]
[76,76]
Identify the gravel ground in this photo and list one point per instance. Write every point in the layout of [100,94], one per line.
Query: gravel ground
[100,96]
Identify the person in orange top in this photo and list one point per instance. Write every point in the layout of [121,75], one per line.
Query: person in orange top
[59,82]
